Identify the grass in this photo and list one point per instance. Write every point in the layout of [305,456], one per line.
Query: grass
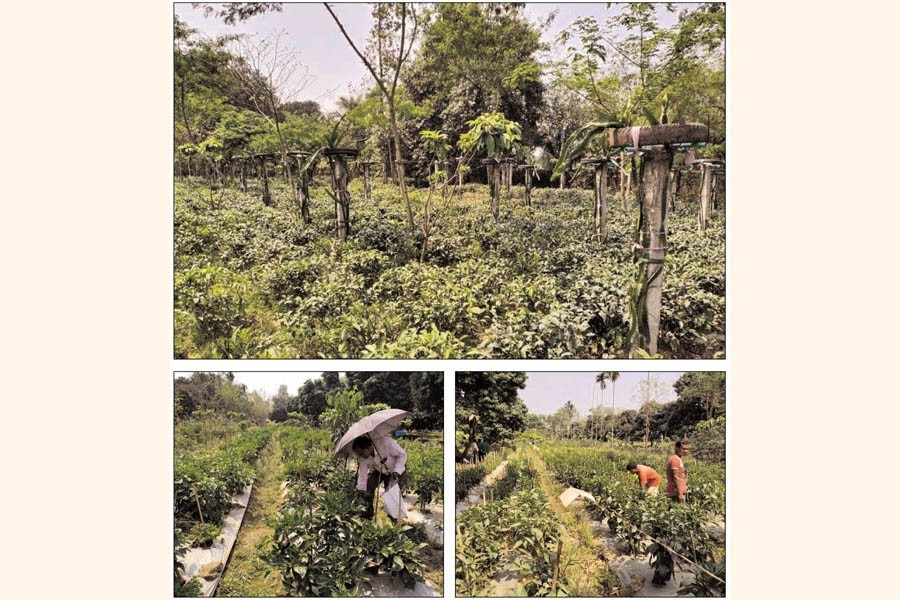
[584,562]
[246,576]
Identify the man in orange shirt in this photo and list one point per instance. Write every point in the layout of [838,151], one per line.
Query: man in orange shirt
[676,479]
[648,479]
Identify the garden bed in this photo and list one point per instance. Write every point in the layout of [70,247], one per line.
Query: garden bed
[212,560]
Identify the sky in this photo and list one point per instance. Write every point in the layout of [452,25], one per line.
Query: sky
[334,68]
[546,392]
[266,383]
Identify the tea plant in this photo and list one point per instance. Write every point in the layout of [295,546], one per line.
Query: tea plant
[254,281]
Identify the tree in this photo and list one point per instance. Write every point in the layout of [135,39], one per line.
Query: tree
[565,417]
[267,74]
[427,394]
[304,108]
[533,421]
[395,45]
[649,393]
[475,59]
[635,71]
[283,403]
[312,395]
[703,392]
[346,407]
[613,377]
[499,138]
[494,399]
[601,379]
[233,12]
[210,392]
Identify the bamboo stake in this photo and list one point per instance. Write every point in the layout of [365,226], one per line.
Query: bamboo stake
[197,500]
[556,567]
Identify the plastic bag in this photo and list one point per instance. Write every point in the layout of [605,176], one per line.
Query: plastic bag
[393,503]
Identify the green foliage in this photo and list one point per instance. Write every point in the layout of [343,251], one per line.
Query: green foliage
[182,588]
[494,398]
[493,134]
[424,470]
[435,143]
[204,535]
[468,476]
[390,550]
[322,546]
[318,553]
[532,286]
[345,408]
[205,480]
[632,516]
[473,60]
[520,530]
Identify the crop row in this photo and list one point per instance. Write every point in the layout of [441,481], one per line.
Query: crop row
[424,470]
[518,531]
[634,517]
[252,281]
[205,481]
[468,476]
[322,545]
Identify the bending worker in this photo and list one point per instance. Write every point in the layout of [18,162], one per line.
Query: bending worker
[386,459]
[676,478]
[648,478]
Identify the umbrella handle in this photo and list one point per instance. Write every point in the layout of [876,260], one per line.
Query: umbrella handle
[375,448]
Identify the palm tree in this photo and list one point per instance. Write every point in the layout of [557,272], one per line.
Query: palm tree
[601,379]
[613,376]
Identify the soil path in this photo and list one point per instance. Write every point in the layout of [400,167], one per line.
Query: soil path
[474,496]
[246,575]
[635,573]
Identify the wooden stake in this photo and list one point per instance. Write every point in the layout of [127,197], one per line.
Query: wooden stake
[528,187]
[267,196]
[704,195]
[366,189]
[653,242]
[197,500]
[556,567]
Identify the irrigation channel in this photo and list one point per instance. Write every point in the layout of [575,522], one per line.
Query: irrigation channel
[297,492]
[516,538]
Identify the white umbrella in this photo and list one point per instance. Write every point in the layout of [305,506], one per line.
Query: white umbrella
[377,424]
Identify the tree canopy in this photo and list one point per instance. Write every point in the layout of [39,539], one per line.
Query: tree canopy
[494,399]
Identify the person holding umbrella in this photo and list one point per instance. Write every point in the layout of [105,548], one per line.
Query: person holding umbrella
[370,441]
[387,461]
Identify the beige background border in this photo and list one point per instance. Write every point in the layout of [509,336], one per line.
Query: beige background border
[87,297]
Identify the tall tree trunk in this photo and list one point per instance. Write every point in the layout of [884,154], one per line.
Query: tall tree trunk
[715,185]
[401,176]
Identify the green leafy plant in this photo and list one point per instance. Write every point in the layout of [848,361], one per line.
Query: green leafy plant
[204,535]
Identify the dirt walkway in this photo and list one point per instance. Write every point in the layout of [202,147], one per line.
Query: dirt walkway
[245,574]
[474,496]
[584,564]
